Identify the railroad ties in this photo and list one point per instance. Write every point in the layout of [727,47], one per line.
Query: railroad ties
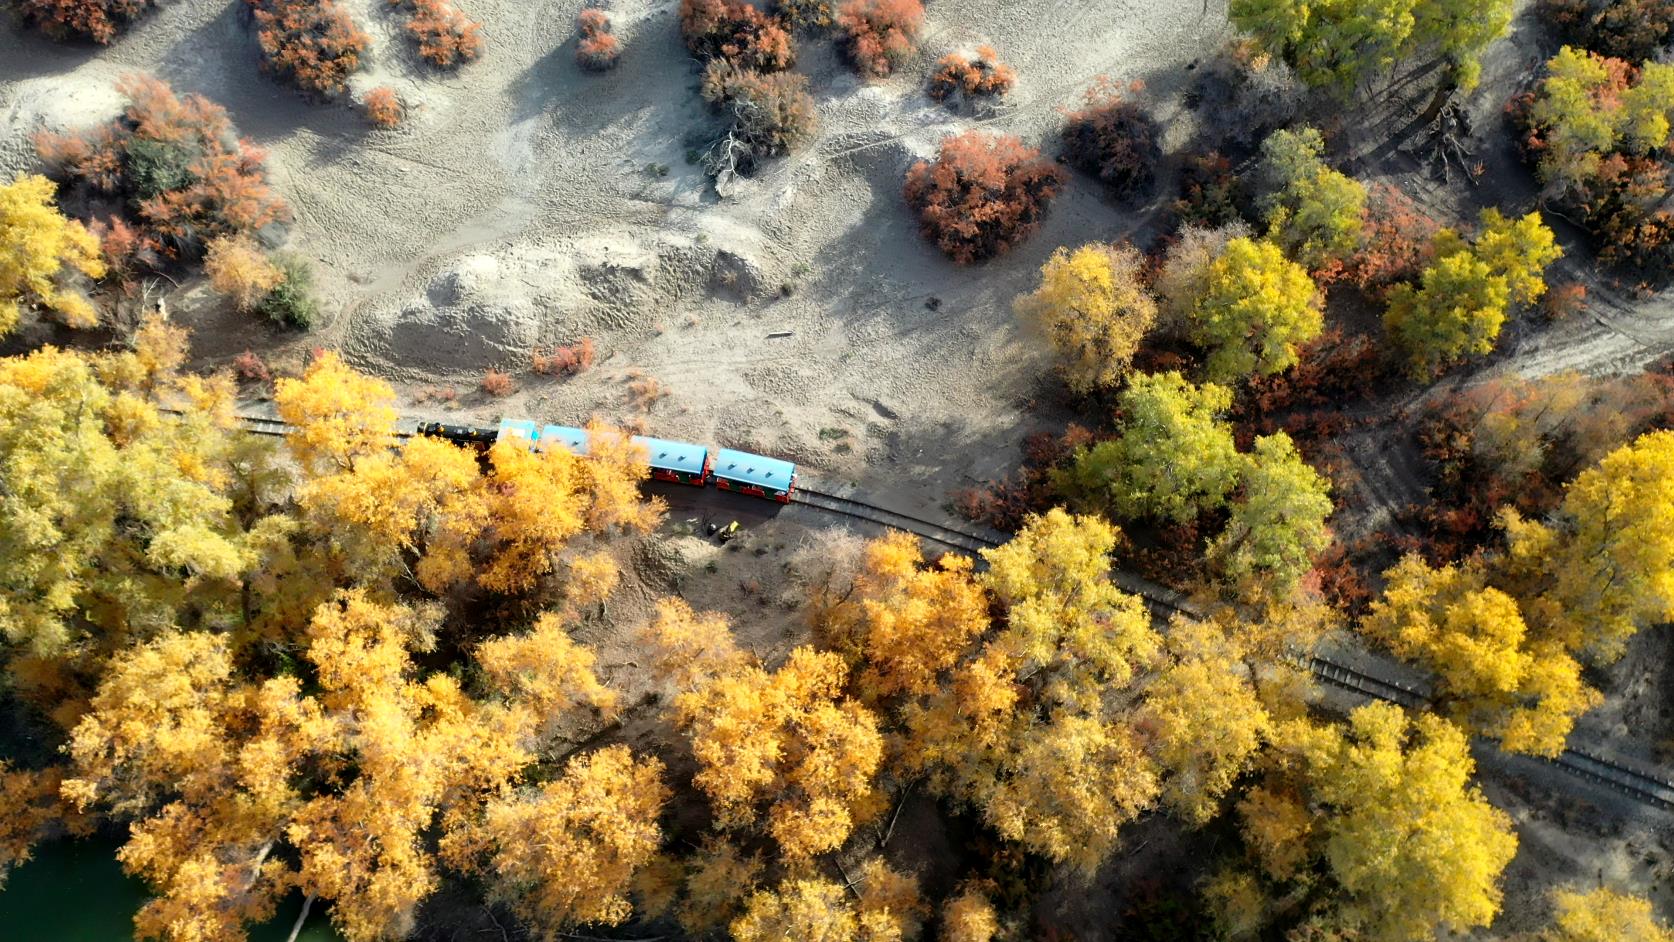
[860,510]
[1640,786]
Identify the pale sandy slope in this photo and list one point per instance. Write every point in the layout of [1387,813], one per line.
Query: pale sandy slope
[521,204]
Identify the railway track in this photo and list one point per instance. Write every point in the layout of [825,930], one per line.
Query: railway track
[860,510]
[1636,784]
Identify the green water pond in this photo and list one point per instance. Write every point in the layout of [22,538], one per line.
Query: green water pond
[75,891]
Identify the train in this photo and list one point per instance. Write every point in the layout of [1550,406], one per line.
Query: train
[740,472]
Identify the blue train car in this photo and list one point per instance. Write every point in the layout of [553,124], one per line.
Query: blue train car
[679,462]
[759,475]
[575,439]
[517,430]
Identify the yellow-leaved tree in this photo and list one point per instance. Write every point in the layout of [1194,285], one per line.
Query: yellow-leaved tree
[1604,567]
[1382,809]
[1095,309]
[886,908]
[1494,675]
[783,751]
[37,245]
[564,854]
[1603,915]
[907,621]
[1024,728]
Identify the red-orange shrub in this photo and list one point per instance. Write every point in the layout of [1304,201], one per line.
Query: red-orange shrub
[1113,139]
[383,108]
[1634,30]
[879,35]
[446,37]
[596,50]
[249,367]
[983,76]
[1564,301]
[313,44]
[565,360]
[173,166]
[738,32]
[1208,192]
[982,195]
[496,383]
[98,20]
[1398,243]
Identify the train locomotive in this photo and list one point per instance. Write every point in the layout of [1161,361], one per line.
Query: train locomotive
[680,462]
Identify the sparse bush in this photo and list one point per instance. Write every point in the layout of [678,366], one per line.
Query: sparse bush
[313,44]
[565,360]
[1113,139]
[98,20]
[879,35]
[497,384]
[249,367]
[1634,30]
[176,164]
[771,114]
[982,195]
[1241,95]
[960,76]
[446,37]
[738,32]
[383,108]
[644,391]
[596,49]
[805,14]
[1565,301]
[238,269]
[291,302]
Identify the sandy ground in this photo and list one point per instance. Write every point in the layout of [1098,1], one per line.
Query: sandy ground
[525,203]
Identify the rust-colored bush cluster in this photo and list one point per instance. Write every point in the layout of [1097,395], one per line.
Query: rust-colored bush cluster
[1516,442]
[982,76]
[1208,192]
[738,32]
[164,178]
[249,367]
[1114,139]
[982,195]
[746,54]
[1634,30]
[98,20]
[497,384]
[596,49]
[446,37]
[1398,241]
[313,44]
[1307,400]
[565,360]
[1004,504]
[879,35]
[383,107]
